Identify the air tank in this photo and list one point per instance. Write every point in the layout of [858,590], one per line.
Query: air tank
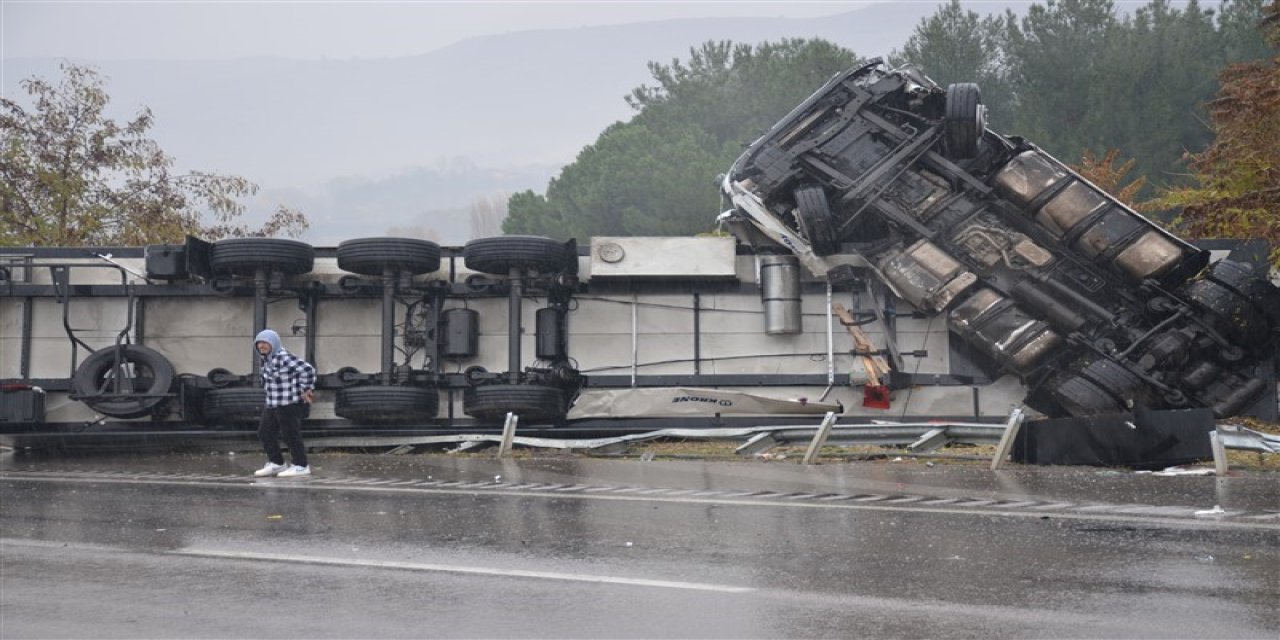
[780,290]
[460,334]
[996,326]
[551,334]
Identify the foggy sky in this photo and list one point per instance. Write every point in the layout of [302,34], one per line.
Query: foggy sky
[181,30]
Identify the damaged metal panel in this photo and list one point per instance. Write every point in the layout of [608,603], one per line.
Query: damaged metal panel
[685,401]
[667,257]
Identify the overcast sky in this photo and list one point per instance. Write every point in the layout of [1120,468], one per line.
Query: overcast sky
[185,30]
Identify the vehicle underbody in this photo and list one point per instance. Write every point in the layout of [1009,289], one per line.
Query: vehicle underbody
[1048,277]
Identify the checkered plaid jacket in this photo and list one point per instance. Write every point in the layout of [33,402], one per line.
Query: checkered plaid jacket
[285,376]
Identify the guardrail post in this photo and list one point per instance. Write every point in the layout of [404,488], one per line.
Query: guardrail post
[508,434]
[759,443]
[820,437]
[1006,441]
[1219,453]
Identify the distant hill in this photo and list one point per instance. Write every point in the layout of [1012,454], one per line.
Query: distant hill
[514,108]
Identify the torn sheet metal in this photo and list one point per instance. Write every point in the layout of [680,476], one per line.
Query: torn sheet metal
[1234,436]
[689,401]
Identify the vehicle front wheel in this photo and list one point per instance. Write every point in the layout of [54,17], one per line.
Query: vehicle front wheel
[964,120]
[813,216]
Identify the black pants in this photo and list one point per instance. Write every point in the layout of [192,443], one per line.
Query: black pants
[283,422]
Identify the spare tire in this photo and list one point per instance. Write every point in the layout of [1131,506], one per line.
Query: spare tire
[233,406]
[964,120]
[142,371]
[387,404]
[244,256]
[500,254]
[372,256]
[533,403]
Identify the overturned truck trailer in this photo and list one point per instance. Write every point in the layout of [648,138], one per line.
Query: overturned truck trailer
[1042,274]
[875,223]
[411,338]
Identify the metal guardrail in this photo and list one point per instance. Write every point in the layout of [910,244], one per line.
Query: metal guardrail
[915,437]
[1234,436]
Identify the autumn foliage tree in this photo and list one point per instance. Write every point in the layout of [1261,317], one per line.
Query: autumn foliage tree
[1237,178]
[71,176]
[1112,176]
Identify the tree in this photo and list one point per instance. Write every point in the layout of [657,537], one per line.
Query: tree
[71,176]
[631,181]
[655,174]
[1239,35]
[1053,56]
[1110,177]
[1237,178]
[954,45]
[735,92]
[486,213]
[1155,71]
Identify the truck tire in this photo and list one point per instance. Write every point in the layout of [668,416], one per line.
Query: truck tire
[244,256]
[964,120]
[1243,306]
[239,406]
[1099,387]
[144,371]
[499,254]
[386,404]
[813,216]
[372,256]
[533,403]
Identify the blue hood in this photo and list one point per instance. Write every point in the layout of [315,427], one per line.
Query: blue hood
[270,337]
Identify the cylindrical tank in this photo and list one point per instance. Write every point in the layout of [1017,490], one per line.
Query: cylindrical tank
[1059,313]
[995,325]
[551,334]
[926,276]
[460,334]
[780,289]
[1095,225]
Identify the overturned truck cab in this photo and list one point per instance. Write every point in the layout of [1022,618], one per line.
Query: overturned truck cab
[1098,310]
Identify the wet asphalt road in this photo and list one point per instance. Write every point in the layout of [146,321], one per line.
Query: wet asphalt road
[187,545]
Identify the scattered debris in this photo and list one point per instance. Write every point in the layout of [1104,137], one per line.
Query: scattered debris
[1184,471]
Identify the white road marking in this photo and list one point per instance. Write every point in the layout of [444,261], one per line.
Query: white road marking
[486,571]
[962,506]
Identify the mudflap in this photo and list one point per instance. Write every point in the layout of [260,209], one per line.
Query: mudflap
[1144,439]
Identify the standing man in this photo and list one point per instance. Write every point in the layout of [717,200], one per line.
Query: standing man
[290,383]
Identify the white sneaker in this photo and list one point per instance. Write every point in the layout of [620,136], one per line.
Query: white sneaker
[294,472]
[270,469]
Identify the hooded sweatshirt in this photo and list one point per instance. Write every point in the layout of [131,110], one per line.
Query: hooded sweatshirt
[284,375]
